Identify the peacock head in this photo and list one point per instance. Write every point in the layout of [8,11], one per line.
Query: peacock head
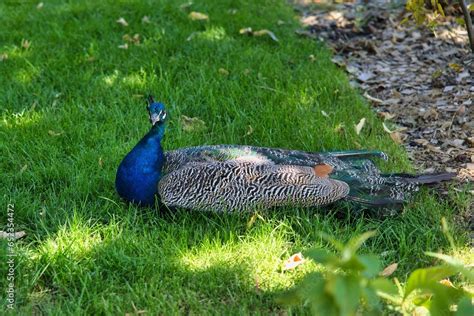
[156,111]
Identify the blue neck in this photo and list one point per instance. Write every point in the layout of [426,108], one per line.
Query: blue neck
[139,172]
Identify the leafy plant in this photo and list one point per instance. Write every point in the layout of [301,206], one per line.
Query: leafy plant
[419,13]
[353,283]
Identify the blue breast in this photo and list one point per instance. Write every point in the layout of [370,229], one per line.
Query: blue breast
[139,172]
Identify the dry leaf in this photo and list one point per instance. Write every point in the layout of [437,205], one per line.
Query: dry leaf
[249,131]
[3,56]
[15,235]
[455,67]
[373,99]
[360,125]
[122,21]
[198,16]
[246,30]
[389,270]
[186,5]
[340,128]
[135,39]
[385,128]
[223,71]
[294,261]
[190,124]
[266,32]
[53,133]
[25,43]
[146,19]
[396,137]
[386,116]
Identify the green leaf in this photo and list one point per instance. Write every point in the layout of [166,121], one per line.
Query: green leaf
[465,307]
[289,297]
[346,292]
[322,256]
[310,287]
[372,301]
[324,305]
[455,263]
[336,243]
[383,285]
[371,264]
[425,278]
[355,243]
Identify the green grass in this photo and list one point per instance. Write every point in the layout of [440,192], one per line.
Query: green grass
[72,106]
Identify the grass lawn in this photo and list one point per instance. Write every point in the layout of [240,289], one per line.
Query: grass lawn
[72,106]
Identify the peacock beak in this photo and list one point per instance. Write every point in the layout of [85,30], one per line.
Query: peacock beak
[157,117]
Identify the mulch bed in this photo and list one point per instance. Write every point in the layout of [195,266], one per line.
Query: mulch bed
[420,81]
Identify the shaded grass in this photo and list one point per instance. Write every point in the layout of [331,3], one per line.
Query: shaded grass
[72,106]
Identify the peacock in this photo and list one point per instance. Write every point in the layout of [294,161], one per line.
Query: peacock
[242,178]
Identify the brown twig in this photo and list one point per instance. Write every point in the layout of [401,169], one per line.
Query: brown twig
[467,19]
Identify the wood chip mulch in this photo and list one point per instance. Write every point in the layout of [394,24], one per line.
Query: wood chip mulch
[420,81]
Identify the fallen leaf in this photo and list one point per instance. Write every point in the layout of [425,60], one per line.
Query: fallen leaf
[340,128]
[249,131]
[53,133]
[266,32]
[198,16]
[373,99]
[294,261]
[146,19]
[246,30]
[122,21]
[385,115]
[190,124]
[389,270]
[15,235]
[223,71]
[396,137]
[123,46]
[3,56]
[25,43]
[186,5]
[455,67]
[360,125]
